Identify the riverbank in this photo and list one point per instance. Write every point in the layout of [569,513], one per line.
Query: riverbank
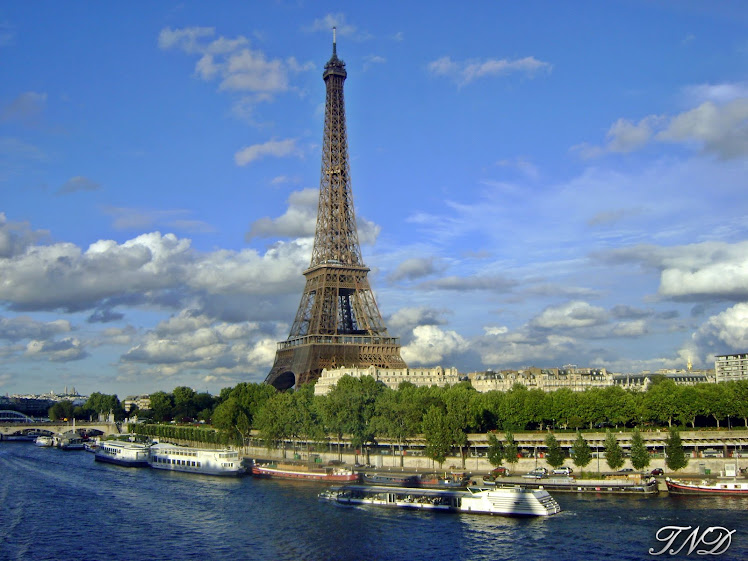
[477,465]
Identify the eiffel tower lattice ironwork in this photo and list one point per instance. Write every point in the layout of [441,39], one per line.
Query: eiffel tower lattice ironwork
[338,322]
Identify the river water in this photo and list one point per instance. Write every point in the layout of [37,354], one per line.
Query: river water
[57,505]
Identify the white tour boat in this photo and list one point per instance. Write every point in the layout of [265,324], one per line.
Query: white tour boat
[505,501]
[44,441]
[207,461]
[129,454]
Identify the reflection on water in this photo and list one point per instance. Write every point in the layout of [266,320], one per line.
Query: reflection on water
[62,506]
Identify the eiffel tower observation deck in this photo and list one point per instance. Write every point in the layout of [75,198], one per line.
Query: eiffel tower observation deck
[338,322]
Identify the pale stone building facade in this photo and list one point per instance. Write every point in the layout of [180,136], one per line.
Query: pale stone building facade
[546,379]
[390,377]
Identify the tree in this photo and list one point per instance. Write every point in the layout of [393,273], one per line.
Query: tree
[243,428]
[717,401]
[511,450]
[184,406]
[613,451]
[488,410]
[739,390]
[398,416]
[675,454]
[564,407]
[308,419]
[554,455]
[162,405]
[514,410]
[350,407]
[538,407]
[639,454]
[461,415]
[582,452]
[104,404]
[333,408]
[438,434]
[250,397]
[690,403]
[61,410]
[660,402]
[495,450]
[226,414]
[362,396]
[275,421]
[204,403]
[590,407]
[618,405]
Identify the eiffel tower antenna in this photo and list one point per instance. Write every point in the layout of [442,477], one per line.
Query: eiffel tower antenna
[338,322]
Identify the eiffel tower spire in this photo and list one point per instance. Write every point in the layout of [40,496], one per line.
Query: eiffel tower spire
[338,322]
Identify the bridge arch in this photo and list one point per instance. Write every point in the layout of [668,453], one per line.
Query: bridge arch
[10,416]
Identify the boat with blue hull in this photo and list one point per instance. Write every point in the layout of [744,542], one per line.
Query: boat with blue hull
[391,479]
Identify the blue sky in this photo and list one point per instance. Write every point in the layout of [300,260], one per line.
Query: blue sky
[536,184]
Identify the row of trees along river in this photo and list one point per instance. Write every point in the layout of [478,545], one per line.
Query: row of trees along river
[364,410]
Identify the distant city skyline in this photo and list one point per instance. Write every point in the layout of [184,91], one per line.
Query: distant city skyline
[535,185]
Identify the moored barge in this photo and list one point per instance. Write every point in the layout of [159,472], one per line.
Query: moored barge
[391,479]
[304,472]
[570,485]
[707,487]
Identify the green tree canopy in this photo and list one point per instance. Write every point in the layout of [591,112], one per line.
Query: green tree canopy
[104,404]
[675,455]
[639,454]
[162,406]
[515,411]
[276,421]
[613,451]
[184,408]
[398,415]
[660,401]
[460,401]
[61,410]
[495,450]
[554,455]
[438,434]
[511,450]
[582,452]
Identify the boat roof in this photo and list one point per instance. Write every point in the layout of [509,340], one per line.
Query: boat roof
[416,490]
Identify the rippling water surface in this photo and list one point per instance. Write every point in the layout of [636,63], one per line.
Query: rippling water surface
[61,506]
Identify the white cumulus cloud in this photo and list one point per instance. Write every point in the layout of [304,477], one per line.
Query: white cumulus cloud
[468,71]
[275,148]
[430,345]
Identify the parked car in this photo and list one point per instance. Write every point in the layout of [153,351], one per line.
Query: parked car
[500,471]
[657,471]
[563,471]
[537,473]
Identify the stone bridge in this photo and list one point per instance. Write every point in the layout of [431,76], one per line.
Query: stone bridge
[15,423]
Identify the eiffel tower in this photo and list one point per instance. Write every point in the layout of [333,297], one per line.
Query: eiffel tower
[338,322]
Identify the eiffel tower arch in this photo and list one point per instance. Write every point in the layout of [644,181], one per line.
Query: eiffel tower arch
[338,322]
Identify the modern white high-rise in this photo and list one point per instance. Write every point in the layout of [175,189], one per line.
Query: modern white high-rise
[731,367]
